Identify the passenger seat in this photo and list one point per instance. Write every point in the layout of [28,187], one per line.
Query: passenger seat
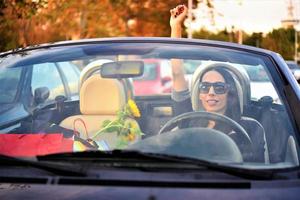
[100,99]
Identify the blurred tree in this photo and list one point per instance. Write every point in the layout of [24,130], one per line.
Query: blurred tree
[28,22]
[16,18]
[145,18]
[223,35]
[281,41]
[202,34]
[255,39]
[76,19]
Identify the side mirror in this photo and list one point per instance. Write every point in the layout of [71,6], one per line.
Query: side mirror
[165,80]
[41,94]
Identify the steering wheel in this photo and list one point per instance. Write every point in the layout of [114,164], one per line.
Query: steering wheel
[205,115]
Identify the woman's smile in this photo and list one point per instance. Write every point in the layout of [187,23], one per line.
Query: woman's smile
[212,102]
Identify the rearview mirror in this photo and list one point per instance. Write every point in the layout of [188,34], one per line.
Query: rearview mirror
[122,69]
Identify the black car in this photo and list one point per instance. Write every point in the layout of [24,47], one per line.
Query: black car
[109,143]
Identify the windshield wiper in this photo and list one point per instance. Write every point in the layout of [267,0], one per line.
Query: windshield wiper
[117,155]
[54,168]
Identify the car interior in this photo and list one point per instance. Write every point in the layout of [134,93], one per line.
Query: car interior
[157,111]
[100,98]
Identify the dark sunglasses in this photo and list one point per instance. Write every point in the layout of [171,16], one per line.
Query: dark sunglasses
[219,87]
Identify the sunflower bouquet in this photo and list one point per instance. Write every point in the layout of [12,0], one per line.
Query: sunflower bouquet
[127,130]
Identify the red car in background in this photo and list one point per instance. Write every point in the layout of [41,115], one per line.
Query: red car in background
[156,78]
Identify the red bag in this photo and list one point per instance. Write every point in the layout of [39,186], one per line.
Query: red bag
[30,145]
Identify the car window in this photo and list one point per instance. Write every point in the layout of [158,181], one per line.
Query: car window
[257,73]
[9,79]
[156,79]
[260,83]
[47,75]
[190,66]
[71,72]
[150,72]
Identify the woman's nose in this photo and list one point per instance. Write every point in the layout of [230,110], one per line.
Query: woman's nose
[211,91]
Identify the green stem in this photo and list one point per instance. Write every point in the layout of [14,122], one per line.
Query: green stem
[106,127]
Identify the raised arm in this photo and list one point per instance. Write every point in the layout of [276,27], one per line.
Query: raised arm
[178,15]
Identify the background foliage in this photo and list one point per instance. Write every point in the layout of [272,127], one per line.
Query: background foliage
[29,22]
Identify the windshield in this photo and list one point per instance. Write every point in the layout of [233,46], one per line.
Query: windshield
[151,72]
[186,100]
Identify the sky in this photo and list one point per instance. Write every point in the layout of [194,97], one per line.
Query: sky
[249,15]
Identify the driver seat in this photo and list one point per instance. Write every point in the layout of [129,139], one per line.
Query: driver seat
[100,100]
[242,82]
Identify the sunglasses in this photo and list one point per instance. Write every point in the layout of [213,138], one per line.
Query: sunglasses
[219,87]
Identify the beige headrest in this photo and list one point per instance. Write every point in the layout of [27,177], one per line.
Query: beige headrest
[91,68]
[95,67]
[100,96]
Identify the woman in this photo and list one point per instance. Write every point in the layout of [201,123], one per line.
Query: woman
[218,94]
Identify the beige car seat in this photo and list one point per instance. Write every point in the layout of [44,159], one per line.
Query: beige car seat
[100,99]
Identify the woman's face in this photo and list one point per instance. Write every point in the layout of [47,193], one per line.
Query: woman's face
[211,101]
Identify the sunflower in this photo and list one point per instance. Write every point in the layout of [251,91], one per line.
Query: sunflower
[131,137]
[133,108]
[127,130]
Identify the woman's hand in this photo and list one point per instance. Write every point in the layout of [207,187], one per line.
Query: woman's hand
[178,14]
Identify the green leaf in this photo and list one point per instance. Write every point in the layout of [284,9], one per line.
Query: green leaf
[122,143]
[111,129]
[124,131]
[105,123]
[137,131]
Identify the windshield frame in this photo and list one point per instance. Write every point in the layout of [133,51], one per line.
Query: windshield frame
[277,71]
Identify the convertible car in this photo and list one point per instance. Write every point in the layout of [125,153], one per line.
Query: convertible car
[109,142]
